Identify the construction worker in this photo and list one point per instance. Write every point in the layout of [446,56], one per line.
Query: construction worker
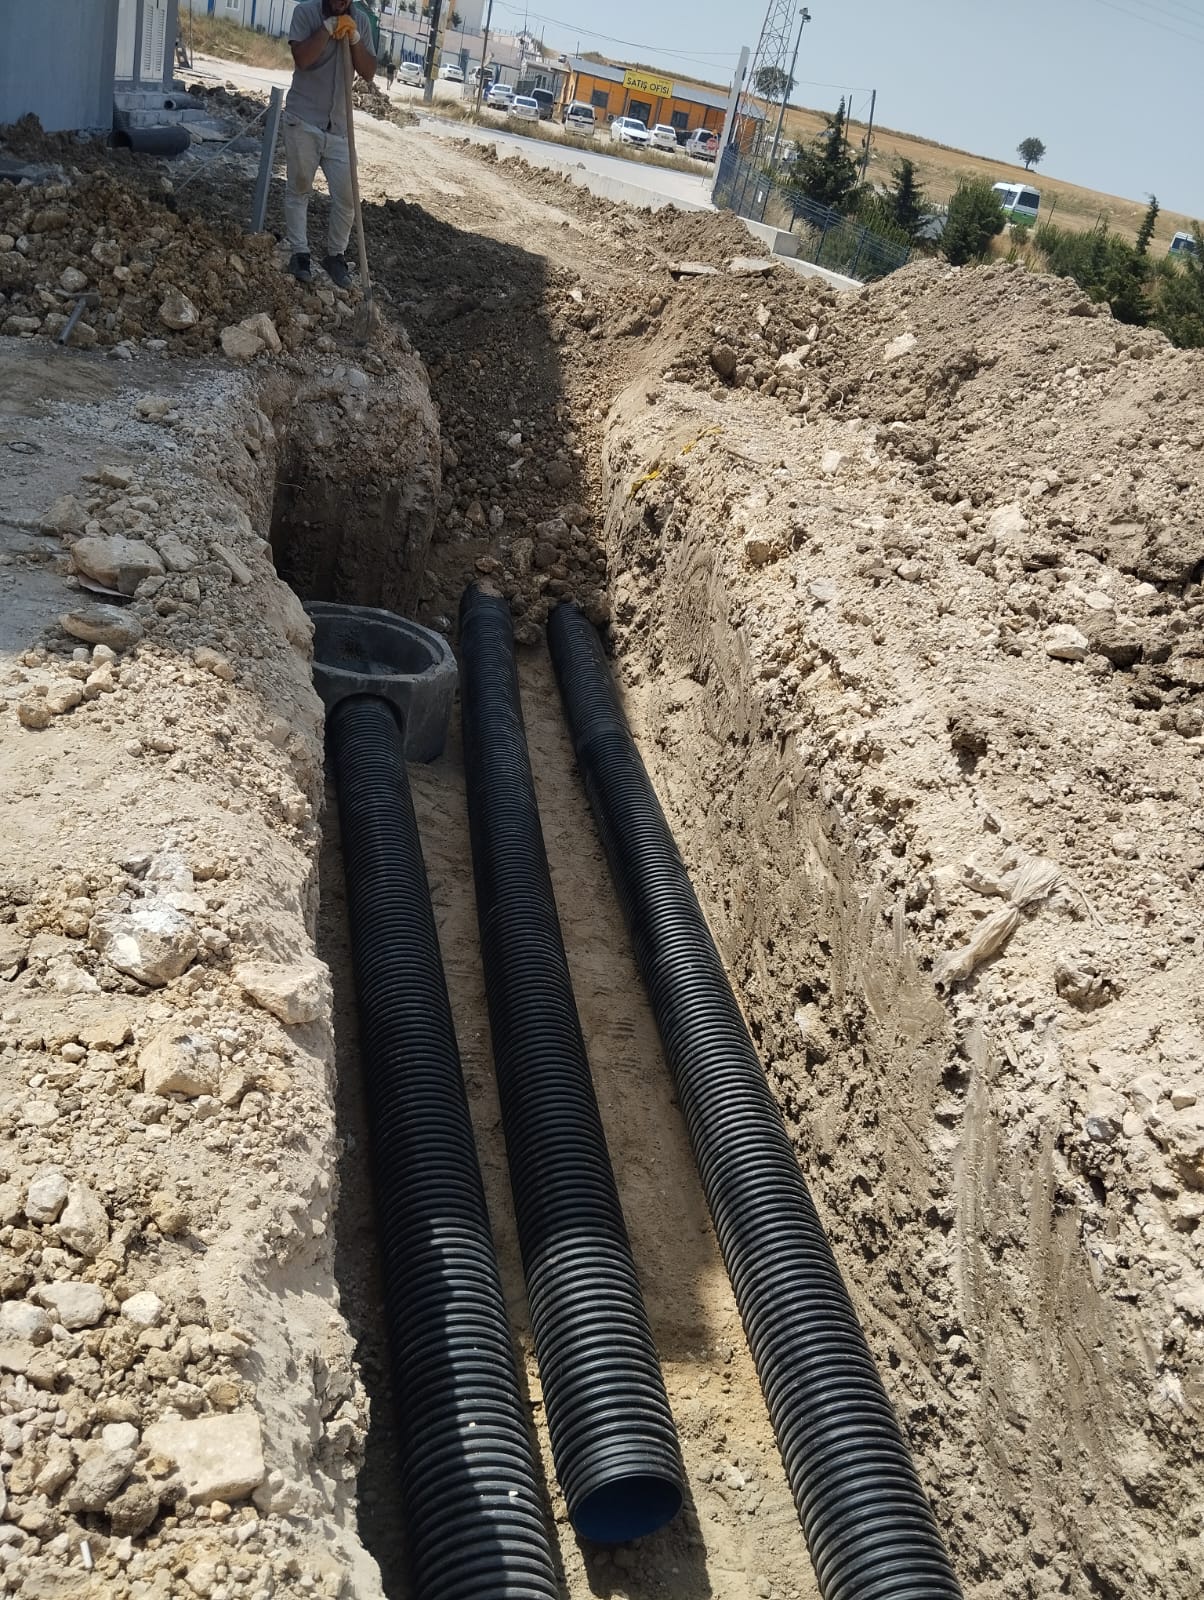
[315,127]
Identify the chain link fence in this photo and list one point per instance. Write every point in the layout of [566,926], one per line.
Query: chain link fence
[824,236]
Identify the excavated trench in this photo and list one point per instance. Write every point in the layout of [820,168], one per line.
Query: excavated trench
[738,1535]
[360,524]
[960,1236]
[890,1093]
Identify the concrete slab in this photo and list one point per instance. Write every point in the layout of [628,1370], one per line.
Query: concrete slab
[808,269]
[779,241]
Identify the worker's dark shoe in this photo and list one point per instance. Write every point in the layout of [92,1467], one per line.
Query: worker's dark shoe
[301,268]
[336,266]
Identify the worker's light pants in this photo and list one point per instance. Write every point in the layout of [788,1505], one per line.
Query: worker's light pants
[306,149]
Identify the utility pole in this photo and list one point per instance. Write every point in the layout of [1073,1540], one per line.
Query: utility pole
[869,134]
[733,102]
[432,49]
[484,58]
[804,17]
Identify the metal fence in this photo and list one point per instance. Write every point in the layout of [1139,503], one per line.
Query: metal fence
[825,237]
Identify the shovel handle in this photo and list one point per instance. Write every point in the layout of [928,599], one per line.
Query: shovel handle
[348,76]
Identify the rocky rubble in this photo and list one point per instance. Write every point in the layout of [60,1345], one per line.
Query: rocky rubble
[160,278]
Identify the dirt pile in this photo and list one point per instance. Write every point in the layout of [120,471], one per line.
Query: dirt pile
[951,846]
[367,97]
[1007,391]
[156,274]
[228,102]
[166,1138]
[668,233]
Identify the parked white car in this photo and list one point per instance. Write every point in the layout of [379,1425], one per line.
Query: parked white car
[1183,244]
[410,73]
[525,107]
[664,137]
[500,96]
[702,144]
[630,130]
[451,74]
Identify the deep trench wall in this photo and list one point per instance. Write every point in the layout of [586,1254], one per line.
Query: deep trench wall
[197,773]
[357,485]
[1056,1463]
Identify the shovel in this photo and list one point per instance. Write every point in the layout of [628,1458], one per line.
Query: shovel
[365,316]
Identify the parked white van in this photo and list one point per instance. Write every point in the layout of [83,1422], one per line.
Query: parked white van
[1184,244]
[580,118]
[1018,201]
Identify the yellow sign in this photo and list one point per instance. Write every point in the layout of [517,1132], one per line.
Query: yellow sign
[661,87]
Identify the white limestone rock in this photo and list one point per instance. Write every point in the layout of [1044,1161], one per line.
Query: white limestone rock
[216,1457]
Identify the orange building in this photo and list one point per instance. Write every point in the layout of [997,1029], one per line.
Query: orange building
[615,92]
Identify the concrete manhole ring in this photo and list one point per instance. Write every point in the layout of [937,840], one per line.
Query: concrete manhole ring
[363,650]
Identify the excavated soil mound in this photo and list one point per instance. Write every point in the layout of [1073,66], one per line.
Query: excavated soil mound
[1052,430]
[907,603]
[226,101]
[706,236]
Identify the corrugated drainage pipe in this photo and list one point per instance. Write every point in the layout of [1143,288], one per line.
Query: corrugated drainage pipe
[474,1515]
[869,1527]
[612,1432]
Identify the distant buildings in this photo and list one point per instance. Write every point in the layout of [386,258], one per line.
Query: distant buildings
[649,95]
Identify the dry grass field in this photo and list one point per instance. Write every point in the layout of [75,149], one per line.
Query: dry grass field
[940,168]
[215,36]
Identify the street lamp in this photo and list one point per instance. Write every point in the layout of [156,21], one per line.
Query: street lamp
[804,17]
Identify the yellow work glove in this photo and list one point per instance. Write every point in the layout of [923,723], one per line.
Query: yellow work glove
[340,28]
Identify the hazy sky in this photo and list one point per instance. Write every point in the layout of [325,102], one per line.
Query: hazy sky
[1111,86]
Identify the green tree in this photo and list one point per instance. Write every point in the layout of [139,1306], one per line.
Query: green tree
[974,219]
[1127,281]
[1146,232]
[772,82]
[826,170]
[1179,299]
[905,199]
[1031,152]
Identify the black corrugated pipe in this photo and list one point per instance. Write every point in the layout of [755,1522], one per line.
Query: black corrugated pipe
[868,1524]
[612,1432]
[474,1515]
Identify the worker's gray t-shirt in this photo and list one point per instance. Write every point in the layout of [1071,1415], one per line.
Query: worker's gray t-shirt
[316,95]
